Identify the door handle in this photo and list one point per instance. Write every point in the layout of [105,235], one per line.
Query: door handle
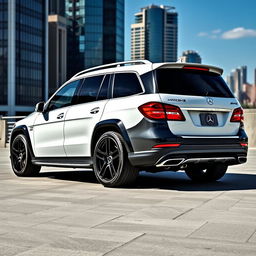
[60,116]
[95,110]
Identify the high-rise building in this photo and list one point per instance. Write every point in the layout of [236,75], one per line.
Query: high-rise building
[243,74]
[95,33]
[57,7]
[23,55]
[57,58]
[191,57]
[255,77]
[237,83]
[154,35]
[231,82]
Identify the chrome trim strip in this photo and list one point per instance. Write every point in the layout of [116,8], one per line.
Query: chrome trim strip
[209,109]
[210,137]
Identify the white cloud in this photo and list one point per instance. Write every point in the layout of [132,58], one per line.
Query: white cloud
[238,33]
[216,31]
[202,34]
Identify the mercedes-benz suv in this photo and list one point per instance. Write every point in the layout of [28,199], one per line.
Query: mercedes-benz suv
[125,117]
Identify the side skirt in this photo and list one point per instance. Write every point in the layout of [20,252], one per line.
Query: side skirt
[68,162]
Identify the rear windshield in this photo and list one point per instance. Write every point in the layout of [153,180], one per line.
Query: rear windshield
[192,82]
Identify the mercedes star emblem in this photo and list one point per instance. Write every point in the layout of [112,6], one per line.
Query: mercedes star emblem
[209,119]
[210,101]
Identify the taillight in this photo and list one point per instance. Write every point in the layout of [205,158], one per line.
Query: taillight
[175,145]
[173,113]
[196,68]
[157,110]
[153,110]
[238,115]
[244,144]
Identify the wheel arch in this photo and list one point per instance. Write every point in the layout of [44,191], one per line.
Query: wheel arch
[115,125]
[22,129]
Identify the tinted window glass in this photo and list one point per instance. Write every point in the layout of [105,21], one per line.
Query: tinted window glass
[89,89]
[192,82]
[64,97]
[126,84]
[103,94]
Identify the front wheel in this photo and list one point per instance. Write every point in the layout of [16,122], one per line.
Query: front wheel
[208,174]
[21,159]
[110,161]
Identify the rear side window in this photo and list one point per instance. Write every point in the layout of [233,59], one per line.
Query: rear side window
[192,82]
[126,84]
[89,89]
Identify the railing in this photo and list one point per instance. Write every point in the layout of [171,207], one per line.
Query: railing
[8,123]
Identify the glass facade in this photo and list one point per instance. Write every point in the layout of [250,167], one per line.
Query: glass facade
[155,34]
[23,28]
[30,51]
[95,33]
[57,7]
[3,51]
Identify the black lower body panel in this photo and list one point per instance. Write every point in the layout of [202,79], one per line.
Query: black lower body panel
[201,153]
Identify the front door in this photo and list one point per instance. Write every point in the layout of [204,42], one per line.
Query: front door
[49,125]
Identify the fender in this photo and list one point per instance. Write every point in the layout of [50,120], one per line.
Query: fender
[22,129]
[116,125]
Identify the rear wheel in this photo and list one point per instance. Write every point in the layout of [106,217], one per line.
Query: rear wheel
[208,174]
[110,161]
[21,159]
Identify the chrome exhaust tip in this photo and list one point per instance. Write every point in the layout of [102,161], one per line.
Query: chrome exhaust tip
[171,162]
[242,159]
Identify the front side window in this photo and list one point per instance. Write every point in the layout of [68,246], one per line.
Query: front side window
[103,93]
[126,84]
[89,90]
[64,97]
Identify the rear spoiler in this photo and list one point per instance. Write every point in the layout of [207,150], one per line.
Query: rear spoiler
[195,66]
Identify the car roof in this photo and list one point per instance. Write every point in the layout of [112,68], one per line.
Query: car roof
[140,67]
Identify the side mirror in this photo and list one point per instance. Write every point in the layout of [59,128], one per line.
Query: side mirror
[39,107]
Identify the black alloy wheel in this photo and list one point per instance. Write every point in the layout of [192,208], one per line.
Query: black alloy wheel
[20,158]
[111,165]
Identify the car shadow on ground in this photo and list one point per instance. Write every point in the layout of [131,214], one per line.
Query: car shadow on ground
[167,180]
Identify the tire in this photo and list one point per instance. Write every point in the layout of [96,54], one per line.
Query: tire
[21,159]
[110,162]
[209,174]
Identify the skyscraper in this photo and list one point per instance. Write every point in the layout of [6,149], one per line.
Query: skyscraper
[57,58]
[95,33]
[243,74]
[255,77]
[23,55]
[57,7]
[154,35]
[191,57]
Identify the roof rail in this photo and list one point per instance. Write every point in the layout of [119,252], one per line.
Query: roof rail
[117,64]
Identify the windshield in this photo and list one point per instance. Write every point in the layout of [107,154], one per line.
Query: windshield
[191,82]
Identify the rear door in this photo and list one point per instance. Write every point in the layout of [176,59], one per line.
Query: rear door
[203,97]
[82,117]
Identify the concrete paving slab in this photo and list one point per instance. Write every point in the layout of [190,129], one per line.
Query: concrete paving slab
[66,212]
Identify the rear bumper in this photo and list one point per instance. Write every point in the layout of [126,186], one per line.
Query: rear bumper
[229,153]
[193,150]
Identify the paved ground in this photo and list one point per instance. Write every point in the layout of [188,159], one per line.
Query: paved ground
[68,213]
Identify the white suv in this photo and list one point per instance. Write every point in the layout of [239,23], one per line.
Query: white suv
[130,116]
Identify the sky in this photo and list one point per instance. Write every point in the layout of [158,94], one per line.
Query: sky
[223,32]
